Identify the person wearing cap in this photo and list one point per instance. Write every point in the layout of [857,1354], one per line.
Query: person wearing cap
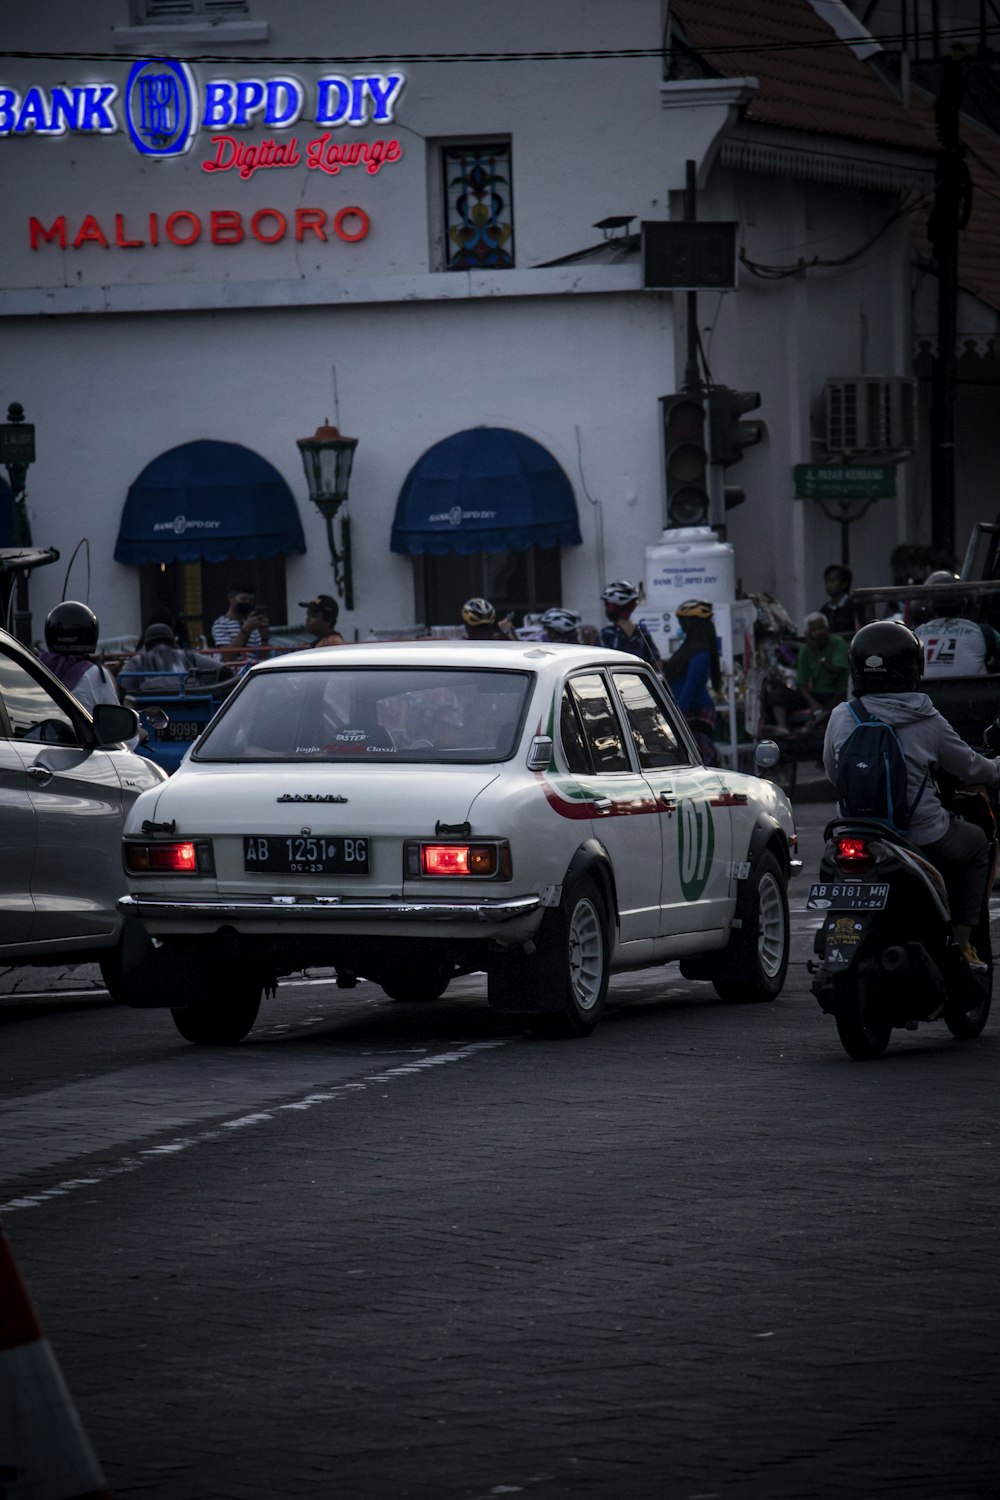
[161,654]
[321,621]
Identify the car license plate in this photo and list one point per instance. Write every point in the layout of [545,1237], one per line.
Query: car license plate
[179,730]
[847,895]
[304,854]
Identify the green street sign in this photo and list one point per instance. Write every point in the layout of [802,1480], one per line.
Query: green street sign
[845,482]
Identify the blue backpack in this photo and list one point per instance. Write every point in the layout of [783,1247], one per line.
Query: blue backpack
[871,773]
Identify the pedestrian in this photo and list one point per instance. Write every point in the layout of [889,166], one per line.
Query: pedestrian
[163,614]
[692,670]
[622,633]
[481,623]
[823,666]
[561,625]
[321,621]
[161,654]
[244,623]
[886,663]
[71,634]
[955,646]
[838,607]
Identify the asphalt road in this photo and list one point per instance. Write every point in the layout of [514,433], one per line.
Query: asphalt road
[383,1250]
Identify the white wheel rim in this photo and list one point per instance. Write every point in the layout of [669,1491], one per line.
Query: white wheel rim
[770,926]
[586,955]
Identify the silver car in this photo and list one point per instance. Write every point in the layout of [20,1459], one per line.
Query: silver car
[66,783]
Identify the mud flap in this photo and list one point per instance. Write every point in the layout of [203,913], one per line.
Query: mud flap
[839,940]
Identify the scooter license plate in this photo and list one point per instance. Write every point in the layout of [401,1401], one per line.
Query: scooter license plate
[847,895]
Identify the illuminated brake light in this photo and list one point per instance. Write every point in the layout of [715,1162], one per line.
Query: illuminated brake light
[854,852]
[459,861]
[184,858]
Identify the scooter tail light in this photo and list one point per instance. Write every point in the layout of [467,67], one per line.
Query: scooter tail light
[853,854]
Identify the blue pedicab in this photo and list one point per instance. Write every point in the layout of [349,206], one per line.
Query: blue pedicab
[173,708]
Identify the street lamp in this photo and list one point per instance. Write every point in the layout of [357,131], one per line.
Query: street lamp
[327,458]
[17,453]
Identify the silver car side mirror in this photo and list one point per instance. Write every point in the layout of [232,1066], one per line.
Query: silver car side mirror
[766,754]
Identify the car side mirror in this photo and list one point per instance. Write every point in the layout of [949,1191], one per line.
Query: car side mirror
[766,754]
[114,723]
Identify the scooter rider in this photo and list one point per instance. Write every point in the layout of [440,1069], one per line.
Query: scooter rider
[886,661]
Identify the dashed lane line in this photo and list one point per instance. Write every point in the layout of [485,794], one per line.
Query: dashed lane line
[95,1129]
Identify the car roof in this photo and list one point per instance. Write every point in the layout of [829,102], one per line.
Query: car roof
[512,655]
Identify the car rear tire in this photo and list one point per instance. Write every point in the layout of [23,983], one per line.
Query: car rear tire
[573,964]
[754,962]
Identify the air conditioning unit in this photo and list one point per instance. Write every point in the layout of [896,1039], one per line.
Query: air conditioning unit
[870,414]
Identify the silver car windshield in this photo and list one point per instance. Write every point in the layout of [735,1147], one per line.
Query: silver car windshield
[394,714]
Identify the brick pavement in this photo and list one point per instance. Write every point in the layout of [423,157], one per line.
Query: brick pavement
[701,1254]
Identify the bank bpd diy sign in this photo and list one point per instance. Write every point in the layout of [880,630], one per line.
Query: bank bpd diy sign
[164,112]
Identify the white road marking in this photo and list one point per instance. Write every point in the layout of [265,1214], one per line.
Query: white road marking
[93,1114]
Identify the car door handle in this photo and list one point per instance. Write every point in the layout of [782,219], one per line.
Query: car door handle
[602,804]
[669,801]
[41,774]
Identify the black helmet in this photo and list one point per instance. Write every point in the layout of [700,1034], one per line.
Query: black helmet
[71,629]
[886,657]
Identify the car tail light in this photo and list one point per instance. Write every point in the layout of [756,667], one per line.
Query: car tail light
[488,861]
[853,854]
[179,857]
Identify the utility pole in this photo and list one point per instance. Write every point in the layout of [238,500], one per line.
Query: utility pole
[692,375]
[950,214]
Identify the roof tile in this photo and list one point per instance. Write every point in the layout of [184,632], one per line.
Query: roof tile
[805,82]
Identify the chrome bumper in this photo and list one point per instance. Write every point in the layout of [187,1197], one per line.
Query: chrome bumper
[327,908]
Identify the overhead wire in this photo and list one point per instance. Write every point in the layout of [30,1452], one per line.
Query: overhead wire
[816,262]
[751,49]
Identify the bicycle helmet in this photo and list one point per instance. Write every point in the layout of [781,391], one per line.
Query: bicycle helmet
[478,612]
[71,629]
[694,609]
[621,592]
[886,657]
[943,604]
[558,621]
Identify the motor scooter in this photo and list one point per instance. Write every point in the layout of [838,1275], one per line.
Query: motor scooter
[886,949]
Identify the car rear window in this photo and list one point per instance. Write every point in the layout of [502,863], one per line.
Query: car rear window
[394,714]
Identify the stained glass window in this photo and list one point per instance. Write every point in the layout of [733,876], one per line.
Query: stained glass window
[479,227]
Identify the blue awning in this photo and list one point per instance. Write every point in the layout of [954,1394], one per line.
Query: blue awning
[6,515]
[485,490]
[210,501]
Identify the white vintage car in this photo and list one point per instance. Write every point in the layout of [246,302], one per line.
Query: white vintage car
[412,812]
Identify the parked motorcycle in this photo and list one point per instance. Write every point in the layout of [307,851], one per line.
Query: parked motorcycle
[887,954]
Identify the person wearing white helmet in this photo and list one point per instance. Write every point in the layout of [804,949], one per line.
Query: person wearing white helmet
[622,633]
[561,625]
[954,646]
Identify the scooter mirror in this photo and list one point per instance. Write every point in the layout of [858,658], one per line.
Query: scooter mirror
[766,754]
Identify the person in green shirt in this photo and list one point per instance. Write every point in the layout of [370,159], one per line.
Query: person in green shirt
[823,666]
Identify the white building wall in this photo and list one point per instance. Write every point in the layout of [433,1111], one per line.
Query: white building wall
[784,335]
[120,353]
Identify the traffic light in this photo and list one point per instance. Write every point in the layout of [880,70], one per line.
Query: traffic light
[686,460]
[728,435]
